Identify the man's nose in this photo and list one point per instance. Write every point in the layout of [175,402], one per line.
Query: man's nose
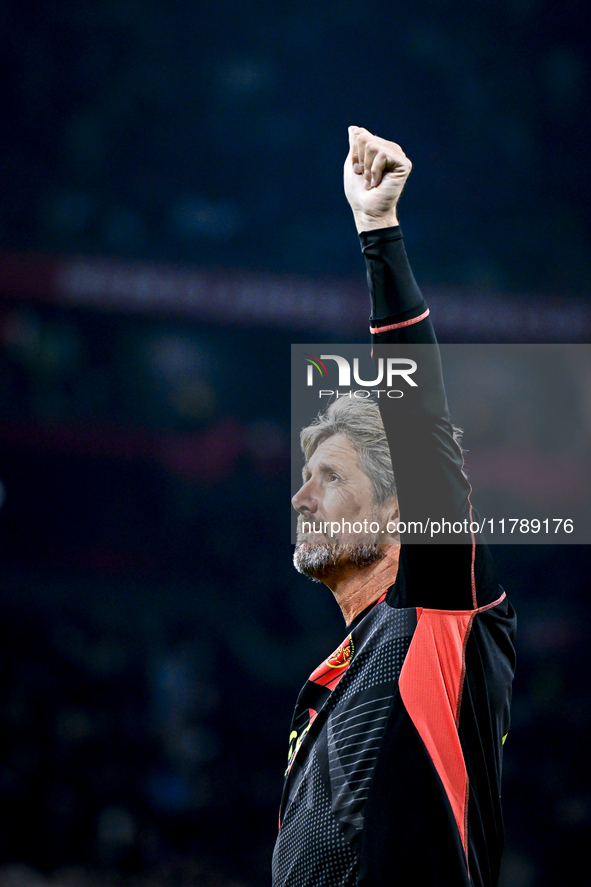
[304,501]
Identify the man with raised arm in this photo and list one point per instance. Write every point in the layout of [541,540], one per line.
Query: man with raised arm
[395,748]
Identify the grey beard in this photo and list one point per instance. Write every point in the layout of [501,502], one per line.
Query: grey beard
[313,560]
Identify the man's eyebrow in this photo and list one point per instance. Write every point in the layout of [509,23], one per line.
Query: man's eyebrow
[323,468]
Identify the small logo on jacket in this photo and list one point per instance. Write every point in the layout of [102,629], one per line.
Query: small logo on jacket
[332,670]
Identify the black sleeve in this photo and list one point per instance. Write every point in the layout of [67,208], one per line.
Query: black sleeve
[447,569]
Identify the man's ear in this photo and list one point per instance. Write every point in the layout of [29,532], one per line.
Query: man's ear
[391,511]
[390,517]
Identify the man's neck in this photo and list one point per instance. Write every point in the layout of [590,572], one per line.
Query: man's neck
[355,588]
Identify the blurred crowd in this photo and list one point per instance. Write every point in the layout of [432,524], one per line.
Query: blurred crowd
[214,133]
[154,632]
[186,873]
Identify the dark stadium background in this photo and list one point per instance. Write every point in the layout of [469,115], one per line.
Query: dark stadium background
[171,219]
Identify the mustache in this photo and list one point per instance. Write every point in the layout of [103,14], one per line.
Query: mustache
[302,519]
[318,530]
[333,528]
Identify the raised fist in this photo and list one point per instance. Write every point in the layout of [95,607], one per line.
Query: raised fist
[375,173]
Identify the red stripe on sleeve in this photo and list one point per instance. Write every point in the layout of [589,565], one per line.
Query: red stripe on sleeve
[374,330]
[430,686]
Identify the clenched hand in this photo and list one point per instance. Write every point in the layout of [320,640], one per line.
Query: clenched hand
[375,173]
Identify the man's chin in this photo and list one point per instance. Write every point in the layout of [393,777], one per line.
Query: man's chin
[315,559]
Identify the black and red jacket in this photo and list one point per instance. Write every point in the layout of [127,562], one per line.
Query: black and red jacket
[395,756]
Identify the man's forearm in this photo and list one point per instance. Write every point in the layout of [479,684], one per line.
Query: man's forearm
[394,293]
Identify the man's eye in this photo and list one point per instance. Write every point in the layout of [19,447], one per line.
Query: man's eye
[333,477]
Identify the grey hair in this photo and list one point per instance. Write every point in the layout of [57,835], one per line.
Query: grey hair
[361,423]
